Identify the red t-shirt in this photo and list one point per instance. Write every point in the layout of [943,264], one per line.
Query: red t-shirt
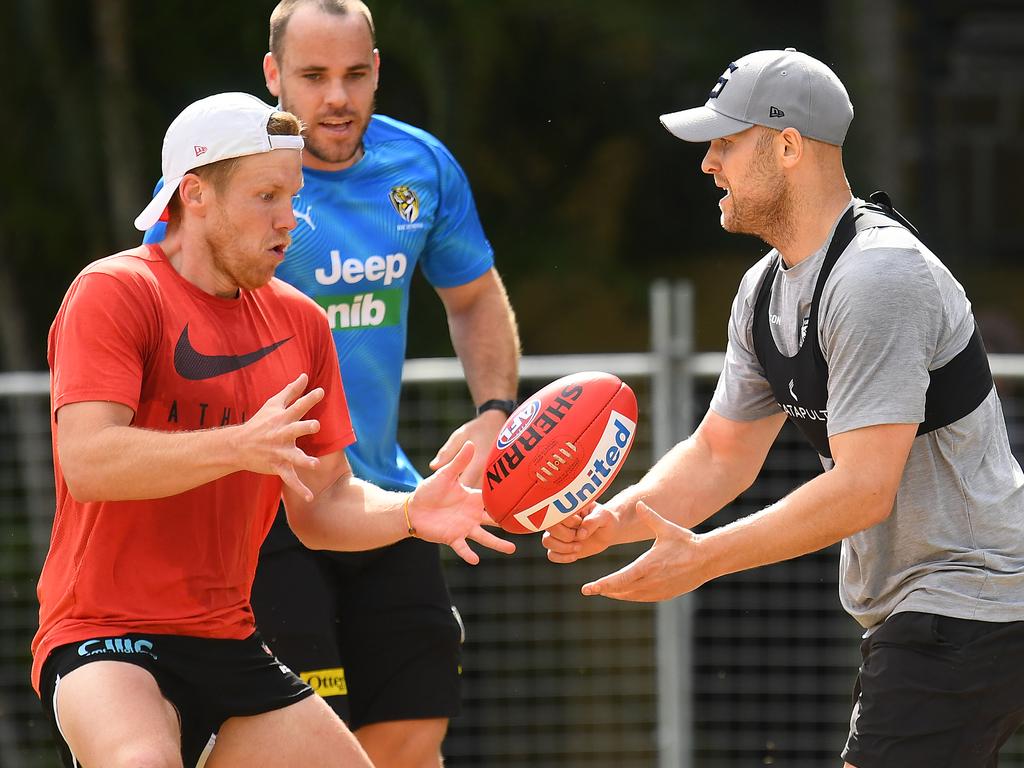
[131,330]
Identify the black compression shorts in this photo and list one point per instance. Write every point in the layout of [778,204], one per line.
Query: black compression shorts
[207,681]
[936,691]
[375,633]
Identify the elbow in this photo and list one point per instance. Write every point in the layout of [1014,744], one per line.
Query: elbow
[82,479]
[83,492]
[747,481]
[305,529]
[744,474]
[876,503]
[87,489]
[310,540]
[861,496]
[881,511]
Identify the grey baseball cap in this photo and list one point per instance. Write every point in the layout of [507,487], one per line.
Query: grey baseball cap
[778,89]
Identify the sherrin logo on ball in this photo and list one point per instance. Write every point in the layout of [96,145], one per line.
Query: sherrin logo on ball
[559,451]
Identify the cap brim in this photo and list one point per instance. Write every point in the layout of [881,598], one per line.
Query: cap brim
[701,124]
[151,213]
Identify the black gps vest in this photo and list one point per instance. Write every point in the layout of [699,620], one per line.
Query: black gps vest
[800,382]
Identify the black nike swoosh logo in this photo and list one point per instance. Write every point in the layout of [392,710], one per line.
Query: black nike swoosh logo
[195,366]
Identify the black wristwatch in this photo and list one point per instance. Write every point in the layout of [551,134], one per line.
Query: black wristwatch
[505,406]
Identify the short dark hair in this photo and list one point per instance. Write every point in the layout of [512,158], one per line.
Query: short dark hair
[283,12]
[219,174]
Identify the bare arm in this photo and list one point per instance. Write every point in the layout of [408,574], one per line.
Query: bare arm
[703,473]
[484,336]
[348,514]
[857,493]
[104,458]
[690,483]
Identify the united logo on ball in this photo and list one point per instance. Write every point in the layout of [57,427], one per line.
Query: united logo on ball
[559,450]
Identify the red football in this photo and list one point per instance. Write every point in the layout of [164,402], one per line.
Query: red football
[560,449]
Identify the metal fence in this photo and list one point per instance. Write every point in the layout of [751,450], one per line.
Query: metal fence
[753,669]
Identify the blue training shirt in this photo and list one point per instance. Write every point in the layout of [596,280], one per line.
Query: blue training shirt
[361,232]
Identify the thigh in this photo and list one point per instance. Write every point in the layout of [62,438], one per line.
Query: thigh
[935,691]
[305,733]
[400,638]
[294,599]
[113,713]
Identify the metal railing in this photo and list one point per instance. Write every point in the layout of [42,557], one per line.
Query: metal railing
[752,669]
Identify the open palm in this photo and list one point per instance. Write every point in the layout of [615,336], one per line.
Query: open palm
[445,511]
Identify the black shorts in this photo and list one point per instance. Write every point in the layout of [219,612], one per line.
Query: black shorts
[375,633]
[207,681]
[936,691]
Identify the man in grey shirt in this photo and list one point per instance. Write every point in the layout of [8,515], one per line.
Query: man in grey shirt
[855,331]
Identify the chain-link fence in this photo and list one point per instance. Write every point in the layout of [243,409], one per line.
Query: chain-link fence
[552,678]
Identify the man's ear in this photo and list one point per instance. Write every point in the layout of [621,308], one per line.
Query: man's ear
[192,194]
[791,146]
[272,75]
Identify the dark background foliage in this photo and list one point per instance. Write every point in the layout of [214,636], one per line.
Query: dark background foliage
[551,106]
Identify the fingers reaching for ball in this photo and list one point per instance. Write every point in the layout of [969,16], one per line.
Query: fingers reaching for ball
[445,511]
[582,535]
[461,546]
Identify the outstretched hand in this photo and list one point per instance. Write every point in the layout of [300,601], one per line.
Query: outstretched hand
[268,438]
[445,511]
[672,566]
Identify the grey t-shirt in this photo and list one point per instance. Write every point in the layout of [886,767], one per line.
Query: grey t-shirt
[890,312]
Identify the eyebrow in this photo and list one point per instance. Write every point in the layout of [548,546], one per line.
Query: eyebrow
[322,68]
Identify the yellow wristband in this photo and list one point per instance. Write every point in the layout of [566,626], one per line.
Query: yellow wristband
[405,509]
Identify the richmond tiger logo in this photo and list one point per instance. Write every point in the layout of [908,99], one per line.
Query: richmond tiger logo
[406,203]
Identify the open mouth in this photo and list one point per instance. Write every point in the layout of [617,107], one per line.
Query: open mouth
[338,126]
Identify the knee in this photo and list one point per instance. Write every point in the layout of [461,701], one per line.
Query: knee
[407,743]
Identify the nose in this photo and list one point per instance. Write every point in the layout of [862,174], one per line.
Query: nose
[337,96]
[286,219]
[710,164]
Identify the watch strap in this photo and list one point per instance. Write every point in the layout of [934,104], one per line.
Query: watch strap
[506,406]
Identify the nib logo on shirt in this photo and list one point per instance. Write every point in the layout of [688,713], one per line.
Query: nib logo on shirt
[363,310]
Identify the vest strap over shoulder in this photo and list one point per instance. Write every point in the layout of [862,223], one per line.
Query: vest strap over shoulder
[800,382]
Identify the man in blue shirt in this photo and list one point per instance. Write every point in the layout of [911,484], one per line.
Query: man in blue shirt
[380,198]
[375,632]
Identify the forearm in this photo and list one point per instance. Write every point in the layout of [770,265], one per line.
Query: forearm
[832,506]
[688,485]
[349,516]
[485,338]
[122,463]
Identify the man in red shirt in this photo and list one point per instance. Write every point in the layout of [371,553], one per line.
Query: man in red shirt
[190,390]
